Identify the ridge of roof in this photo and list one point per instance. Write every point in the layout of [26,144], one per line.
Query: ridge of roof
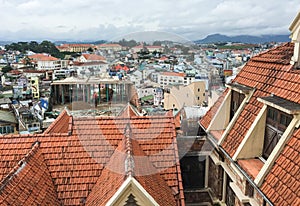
[128,111]
[62,124]
[129,160]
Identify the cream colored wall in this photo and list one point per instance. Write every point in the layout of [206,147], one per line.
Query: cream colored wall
[252,145]
[185,96]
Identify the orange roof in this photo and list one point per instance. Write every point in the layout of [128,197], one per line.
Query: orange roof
[29,182]
[269,73]
[79,156]
[93,57]
[42,57]
[62,124]
[110,45]
[282,184]
[173,74]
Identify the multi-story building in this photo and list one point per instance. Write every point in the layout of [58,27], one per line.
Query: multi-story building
[254,131]
[174,78]
[110,47]
[74,47]
[45,61]
[176,97]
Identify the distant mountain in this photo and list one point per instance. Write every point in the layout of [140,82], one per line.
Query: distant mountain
[3,43]
[219,38]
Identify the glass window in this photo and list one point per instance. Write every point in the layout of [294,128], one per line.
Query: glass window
[236,100]
[276,123]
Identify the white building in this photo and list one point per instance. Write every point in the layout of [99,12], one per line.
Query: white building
[45,61]
[173,78]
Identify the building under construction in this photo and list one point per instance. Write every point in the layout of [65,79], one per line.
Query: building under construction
[92,91]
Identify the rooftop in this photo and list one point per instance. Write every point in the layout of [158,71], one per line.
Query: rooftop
[77,155]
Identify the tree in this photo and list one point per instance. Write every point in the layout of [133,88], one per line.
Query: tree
[6,69]
[91,50]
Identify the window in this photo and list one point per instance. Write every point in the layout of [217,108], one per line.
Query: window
[198,89]
[7,129]
[193,172]
[276,123]
[236,100]
[230,196]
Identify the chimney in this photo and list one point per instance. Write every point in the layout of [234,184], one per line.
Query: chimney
[295,38]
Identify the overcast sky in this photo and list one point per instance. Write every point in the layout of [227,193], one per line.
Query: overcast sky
[109,19]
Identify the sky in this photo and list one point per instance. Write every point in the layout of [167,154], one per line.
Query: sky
[111,19]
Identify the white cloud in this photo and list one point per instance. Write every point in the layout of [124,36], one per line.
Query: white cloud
[94,19]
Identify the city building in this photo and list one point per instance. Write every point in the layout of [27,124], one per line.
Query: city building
[45,61]
[74,47]
[178,96]
[110,47]
[254,129]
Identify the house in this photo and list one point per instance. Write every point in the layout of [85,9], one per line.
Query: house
[122,160]
[194,94]
[74,47]
[91,58]
[111,47]
[45,61]
[8,122]
[169,78]
[254,128]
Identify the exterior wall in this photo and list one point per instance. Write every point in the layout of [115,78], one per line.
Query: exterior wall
[218,182]
[191,95]
[215,179]
[48,65]
[142,92]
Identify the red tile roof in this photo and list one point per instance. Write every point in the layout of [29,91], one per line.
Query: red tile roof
[143,171]
[206,119]
[76,158]
[251,166]
[62,124]
[93,57]
[282,184]
[29,182]
[269,73]
[173,74]
[42,57]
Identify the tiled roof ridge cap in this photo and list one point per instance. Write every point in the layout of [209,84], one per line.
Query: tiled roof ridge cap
[129,161]
[21,164]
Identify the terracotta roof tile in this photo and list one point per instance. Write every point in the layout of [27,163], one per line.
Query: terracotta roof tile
[75,162]
[207,118]
[264,73]
[62,124]
[251,166]
[269,73]
[285,174]
[29,182]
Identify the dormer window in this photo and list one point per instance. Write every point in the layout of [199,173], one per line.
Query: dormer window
[276,123]
[236,100]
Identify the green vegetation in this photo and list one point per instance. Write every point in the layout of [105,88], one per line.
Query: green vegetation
[43,47]
[6,69]
[125,43]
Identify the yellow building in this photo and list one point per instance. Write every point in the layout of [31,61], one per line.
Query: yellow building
[191,95]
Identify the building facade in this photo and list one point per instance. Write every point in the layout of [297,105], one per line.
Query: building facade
[254,130]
